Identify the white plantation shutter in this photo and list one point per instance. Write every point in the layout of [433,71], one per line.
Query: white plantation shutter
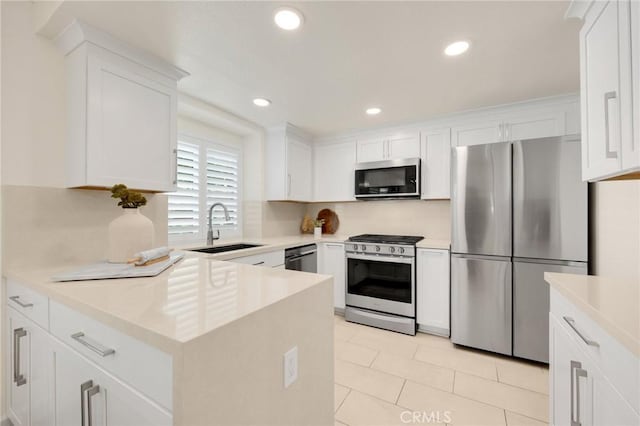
[222,186]
[207,173]
[184,204]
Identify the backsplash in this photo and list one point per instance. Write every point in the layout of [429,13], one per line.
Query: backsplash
[430,219]
[50,226]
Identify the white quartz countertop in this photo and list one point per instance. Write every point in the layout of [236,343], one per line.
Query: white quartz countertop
[613,303]
[192,298]
[277,243]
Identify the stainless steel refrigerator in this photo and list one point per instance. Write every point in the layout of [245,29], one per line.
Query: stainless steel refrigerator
[518,209]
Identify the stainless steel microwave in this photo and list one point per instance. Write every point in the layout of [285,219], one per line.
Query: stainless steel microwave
[388,179]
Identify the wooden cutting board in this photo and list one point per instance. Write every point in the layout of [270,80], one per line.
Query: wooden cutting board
[331,221]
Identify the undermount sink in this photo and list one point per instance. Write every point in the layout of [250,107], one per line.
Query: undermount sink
[222,249]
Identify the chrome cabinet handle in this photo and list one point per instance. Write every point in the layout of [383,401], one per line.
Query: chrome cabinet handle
[607,97]
[92,344]
[18,378]
[588,341]
[259,263]
[576,372]
[90,392]
[21,303]
[83,388]
[175,174]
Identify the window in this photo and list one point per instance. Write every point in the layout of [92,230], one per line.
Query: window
[207,173]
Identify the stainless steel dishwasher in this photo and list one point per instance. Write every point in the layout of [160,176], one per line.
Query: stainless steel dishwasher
[303,258]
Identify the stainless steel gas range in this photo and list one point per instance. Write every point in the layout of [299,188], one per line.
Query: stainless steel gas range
[381,281]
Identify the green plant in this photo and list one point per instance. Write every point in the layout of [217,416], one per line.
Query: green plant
[128,199]
[318,223]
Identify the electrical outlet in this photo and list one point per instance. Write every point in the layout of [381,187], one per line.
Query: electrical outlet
[290,366]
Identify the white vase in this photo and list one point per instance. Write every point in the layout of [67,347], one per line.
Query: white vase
[130,233]
[317,232]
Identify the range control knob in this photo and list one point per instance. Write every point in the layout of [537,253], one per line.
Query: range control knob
[363,247]
[401,250]
[355,247]
[377,248]
[392,249]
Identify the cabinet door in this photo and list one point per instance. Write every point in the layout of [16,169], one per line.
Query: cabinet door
[631,157]
[18,390]
[333,263]
[571,379]
[82,389]
[333,171]
[299,166]
[476,133]
[604,45]
[535,125]
[371,149]
[131,126]
[436,163]
[29,371]
[609,407]
[432,290]
[403,145]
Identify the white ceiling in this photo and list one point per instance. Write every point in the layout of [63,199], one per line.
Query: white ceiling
[351,55]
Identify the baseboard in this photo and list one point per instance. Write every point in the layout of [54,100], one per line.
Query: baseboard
[444,332]
[337,311]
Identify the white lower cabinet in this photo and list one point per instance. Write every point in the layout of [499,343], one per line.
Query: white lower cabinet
[28,371]
[332,262]
[433,291]
[118,381]
[273,259]
[86,395]
[580,393]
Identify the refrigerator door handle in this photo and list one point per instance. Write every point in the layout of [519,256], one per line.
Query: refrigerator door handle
[549,261]
[481,257]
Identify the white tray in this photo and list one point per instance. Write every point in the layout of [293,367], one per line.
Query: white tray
[106,270]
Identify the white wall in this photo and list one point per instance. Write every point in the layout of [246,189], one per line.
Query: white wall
[615,229]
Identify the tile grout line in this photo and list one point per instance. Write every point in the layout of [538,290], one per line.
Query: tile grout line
[400,393]
[504,413]
[342,403]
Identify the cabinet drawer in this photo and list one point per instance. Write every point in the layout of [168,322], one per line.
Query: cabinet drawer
[141,366]
[28,302]
[619,365]
[270,260]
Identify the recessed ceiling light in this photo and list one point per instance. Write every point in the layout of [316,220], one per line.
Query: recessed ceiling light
[261,102]
[287,18]
[373,111]
[456,48]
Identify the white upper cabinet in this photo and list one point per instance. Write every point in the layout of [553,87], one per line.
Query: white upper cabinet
[388,147]
[609,148]
[333,165]
[436,163]
[288,167]
[371,149]
[122,113]
[531,125]
[477,132]
[403,145]
[631,159]
[514,124]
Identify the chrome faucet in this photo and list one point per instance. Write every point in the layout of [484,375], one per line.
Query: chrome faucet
[210,237]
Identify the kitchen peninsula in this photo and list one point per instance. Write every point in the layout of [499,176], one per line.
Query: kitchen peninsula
[202,343]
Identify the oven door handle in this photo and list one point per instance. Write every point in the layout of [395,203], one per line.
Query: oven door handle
[388,259]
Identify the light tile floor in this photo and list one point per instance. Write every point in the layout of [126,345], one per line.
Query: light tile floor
[386,378]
